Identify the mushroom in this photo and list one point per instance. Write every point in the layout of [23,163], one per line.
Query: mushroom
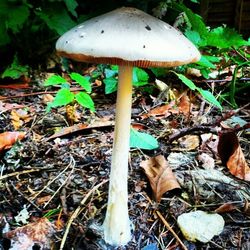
[127,37]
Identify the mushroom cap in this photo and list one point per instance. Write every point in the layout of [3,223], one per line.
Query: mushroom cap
[127,36]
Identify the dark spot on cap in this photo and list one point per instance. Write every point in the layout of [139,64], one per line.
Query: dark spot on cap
[148,27]
[144,46]
[102,31]
[67,42]
[76,30]
[81,36]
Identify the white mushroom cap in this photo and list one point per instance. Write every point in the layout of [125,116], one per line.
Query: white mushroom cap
[127,36]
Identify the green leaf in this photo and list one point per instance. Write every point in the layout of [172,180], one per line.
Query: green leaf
[206,63]
[224,37]
[196,21]
[159,72]
[4,37]
[54,80]
[193,36]
[187,81]
[209,97]
[71,6]
[85,100]
[57,18]
[110,85]
[62,98]
[16,16]
[110,72]
[15,70]
[142,140]
[83,81]
[140,77]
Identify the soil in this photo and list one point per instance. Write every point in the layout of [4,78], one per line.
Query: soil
[50,176]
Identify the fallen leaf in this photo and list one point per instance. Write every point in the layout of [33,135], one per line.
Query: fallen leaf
[162,111]
[184,105]
[232,156]
[39,233]
[46,98]
[225,208]
[189,142]
[72,114]
[81,126]
[19,117]
[160,176]
[9,106]
[41,200]
[7,139]
[206,160]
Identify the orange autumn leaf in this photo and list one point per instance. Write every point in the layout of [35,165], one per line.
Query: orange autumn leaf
[232,156]
[160,176]
[162,111]
[7,139]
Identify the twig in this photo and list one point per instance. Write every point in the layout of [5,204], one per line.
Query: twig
[209,127]
[171,230]
[37,93]
[186,131]
[19,173]
[50,182]
[25,197]
[65,181]
[168,226]
[76,212]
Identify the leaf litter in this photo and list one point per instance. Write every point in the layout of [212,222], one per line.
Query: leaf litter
[66,154]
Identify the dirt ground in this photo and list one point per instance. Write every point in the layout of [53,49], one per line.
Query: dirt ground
[53,173]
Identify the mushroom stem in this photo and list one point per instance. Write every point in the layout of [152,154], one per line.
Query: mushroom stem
[117,224]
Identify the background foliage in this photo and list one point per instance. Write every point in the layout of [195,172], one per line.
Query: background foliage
[29,29]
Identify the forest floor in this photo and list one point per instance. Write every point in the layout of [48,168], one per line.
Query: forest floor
[48,182]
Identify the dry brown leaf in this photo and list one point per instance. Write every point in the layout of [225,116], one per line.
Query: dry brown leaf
[160,176]
[81,126]
[225,208]
[39,232]
[19,117]
[162,111]
[47,98]
[7,139]
[189,142]
[185,105]
[9,106]
[72,114]
[41,200]
[232,156]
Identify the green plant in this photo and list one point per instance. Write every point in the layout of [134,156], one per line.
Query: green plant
[15,70]
[65,96]
[28,28]
[222,46]
[140,78]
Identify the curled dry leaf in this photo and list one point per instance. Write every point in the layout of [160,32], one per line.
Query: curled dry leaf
[39,232]
[7,139]
[160,176]
[232,156]
[225,208]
